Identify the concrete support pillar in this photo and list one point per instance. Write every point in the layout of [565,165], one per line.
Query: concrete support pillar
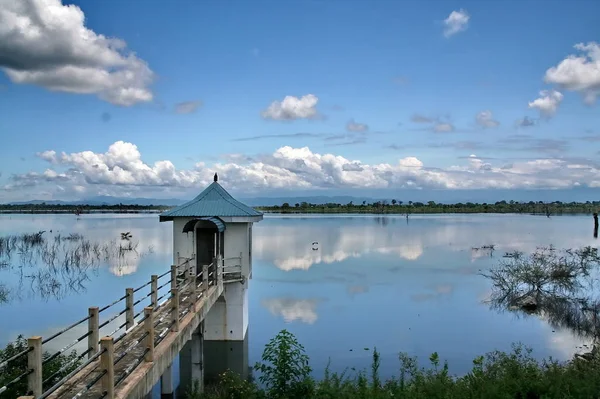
[225,355]
[197,372]
[185,367]
[166,384]
[227,320]
[191,362]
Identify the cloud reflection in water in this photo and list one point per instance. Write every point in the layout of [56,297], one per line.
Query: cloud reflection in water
[292,309]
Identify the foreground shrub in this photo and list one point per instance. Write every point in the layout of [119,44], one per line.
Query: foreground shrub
[53,370]
[284,374]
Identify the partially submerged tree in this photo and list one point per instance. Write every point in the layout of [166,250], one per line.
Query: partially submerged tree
[556,285]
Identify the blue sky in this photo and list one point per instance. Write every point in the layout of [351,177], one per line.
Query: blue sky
[386,95]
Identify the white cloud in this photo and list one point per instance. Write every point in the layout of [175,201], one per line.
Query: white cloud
[486,119]
[292,108]
[46,43]
[443,127]
[353,126]
[457,21]
[187,107]
[120,170]
[547,103]
[579,73]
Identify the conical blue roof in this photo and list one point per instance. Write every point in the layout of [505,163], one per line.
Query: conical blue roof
[213,201]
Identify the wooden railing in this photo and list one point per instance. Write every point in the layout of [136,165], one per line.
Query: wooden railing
[232,269]
[183,280]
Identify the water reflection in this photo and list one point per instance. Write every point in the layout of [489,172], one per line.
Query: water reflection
[433,293]
[371,281]
[67,254]
[559,287]
[291,309]
[287,242]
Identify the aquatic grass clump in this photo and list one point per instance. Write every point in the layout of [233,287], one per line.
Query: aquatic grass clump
[57,265]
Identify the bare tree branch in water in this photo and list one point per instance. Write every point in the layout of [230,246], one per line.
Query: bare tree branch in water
[559,286]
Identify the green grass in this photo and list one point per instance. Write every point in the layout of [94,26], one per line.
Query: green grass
[284,373]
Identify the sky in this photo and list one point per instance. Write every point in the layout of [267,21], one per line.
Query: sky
[150,99]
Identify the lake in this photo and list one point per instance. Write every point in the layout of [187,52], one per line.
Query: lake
[371,281]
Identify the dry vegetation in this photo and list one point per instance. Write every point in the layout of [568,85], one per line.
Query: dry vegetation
[54,265]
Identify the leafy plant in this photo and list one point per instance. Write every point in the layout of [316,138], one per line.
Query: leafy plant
[284,368]
[497,375]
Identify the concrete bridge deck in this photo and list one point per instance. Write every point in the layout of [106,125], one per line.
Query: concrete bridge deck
[133,376]
[129,366]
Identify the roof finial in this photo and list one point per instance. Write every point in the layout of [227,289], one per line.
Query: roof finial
[216,178]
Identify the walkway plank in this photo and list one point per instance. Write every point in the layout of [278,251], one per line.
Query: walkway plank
[134,379]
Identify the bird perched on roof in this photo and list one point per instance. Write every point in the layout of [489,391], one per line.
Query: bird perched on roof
[216,178]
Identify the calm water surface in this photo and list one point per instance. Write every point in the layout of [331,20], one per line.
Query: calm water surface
[371,281]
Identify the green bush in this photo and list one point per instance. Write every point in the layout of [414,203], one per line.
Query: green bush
[284,374]
[19,366]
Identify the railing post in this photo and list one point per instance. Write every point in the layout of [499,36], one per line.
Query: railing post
[107,359]
[34,363]
[175,309]
[215,270]
[205,278]
[173,276]
[129,308]
[154,290]
[220,264]
[191,276]
[149,327]
[94,337]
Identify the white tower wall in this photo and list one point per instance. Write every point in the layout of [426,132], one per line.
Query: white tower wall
[227,320]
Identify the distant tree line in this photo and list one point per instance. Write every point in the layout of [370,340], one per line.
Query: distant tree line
[62,208]
[400,207]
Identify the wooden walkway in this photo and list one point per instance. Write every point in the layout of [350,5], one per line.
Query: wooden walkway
[133,375]
[130,365]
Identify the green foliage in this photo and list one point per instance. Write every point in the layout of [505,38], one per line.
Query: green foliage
[410,207]
[19,366]
[496,375]
[284,369]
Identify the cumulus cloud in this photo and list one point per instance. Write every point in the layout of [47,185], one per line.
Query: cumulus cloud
[486,119]
[457,21]
[352,167]
[353,126]
[121,169]
[46,43]
[547,103]
[579,73]
[187,107]
[292,108]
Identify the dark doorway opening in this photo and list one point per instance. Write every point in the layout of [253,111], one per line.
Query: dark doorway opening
[205,247]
